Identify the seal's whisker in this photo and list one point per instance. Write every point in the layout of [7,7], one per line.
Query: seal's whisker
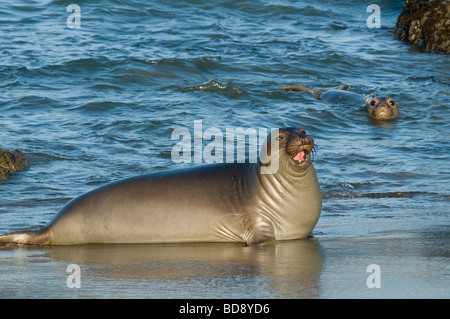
[313,152]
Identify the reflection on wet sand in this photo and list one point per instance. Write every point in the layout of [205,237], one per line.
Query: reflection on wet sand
[413,264]
[287,270]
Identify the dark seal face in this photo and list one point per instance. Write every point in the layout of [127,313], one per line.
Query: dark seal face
[297,146]
[294,148]
[382,108]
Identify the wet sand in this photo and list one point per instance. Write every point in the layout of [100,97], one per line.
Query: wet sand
[411,265]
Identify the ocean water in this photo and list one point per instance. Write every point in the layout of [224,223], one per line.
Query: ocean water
[96,103]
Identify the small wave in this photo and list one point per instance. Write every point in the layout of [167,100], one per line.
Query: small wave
[87,64]
[98,106]
[227,90]
[32,101]
[353,194]
[63,69]
[199,62]
[102,87]
[363,190]
[338,25]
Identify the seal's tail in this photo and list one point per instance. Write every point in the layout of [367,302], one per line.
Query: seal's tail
[24,237]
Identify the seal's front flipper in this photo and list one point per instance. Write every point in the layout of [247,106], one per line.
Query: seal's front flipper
[262,242]
[261,233]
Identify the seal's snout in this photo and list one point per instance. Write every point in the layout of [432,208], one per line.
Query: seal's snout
[303,141]
[383,108]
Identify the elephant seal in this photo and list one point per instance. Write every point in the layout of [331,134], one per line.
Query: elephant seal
[226,202]
[379,108]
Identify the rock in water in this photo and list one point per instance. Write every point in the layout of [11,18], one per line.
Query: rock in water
[426,23]
[11,162]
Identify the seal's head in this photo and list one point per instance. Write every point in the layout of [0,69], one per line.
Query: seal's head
[382,108]
[294,148]
[297,146]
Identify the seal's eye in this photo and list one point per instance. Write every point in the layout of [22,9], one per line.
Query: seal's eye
[373,103]
[280,137]
[391,103]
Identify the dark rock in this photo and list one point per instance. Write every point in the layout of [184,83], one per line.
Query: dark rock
[426,23]
[11,162]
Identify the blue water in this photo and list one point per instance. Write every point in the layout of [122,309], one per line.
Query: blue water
[98,103]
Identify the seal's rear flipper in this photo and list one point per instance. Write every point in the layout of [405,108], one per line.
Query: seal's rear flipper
[296,88]
[24,237]
[301,89]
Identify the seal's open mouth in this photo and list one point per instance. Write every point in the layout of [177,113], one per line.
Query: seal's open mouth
[302,158]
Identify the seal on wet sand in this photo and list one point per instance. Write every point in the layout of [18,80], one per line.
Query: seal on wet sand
[379,108]
[225,202]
